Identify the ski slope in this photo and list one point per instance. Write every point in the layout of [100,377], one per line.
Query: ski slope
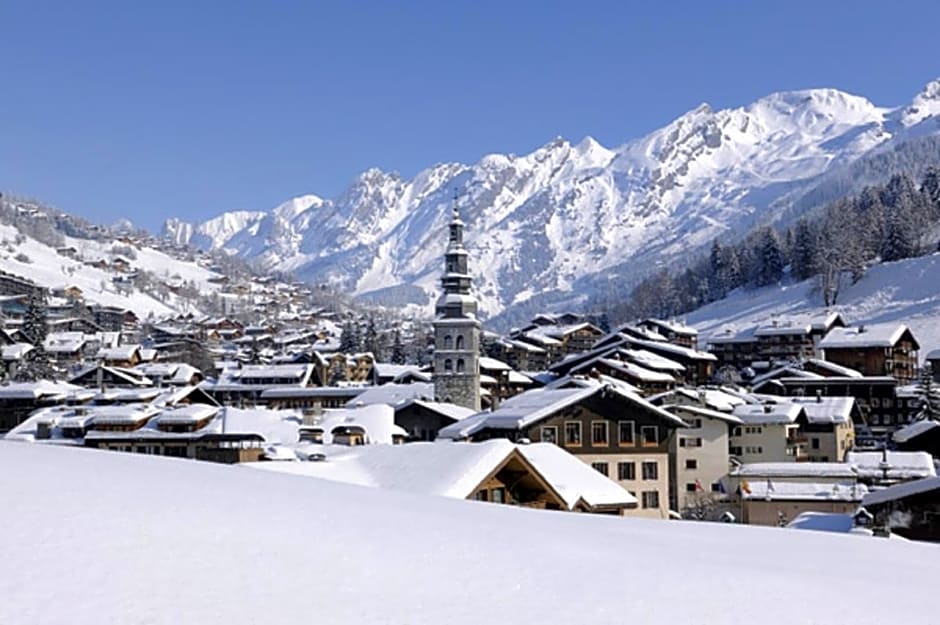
[93,537]
[906,291]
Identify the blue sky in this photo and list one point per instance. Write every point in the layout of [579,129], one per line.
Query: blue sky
[159,109]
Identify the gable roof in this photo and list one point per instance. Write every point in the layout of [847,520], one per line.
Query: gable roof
[875,335]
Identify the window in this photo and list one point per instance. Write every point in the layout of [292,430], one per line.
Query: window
[626,470]
[600,467]
[734,451]
[875,402]
[499,495]
[549,434]
[694,423]
[627,434]
[460,341]
[448,365]
[460,365]
[716,487]
[690,487]
[737,431]
[690,442]
[691,464]
[815,443]
[481,495]
[599,433]
[650,499]
[650,471]
[573,433]
[650,434]
[448,342]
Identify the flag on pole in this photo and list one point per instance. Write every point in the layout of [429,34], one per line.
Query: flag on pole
[698,485]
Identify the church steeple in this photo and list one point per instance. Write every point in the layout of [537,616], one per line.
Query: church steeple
[456,328]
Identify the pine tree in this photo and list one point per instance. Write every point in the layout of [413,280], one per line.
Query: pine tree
[35,364]
[398,348]
[804,250]
[929,395]
[770,260]
[371,340]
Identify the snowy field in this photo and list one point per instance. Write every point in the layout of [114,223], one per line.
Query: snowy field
[98,537]
[906,291]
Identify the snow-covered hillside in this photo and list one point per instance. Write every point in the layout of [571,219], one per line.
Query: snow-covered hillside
[906,291]
[101,537]
[553,221]
[25,256]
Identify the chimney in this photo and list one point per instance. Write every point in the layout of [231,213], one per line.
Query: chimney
[861,329]
[818,395]
[768,409]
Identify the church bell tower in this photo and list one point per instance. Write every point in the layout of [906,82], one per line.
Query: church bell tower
[456,327]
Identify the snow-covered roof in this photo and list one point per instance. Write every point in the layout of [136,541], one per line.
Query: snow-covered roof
[835,369]
[493,364]
[699,411]
[675,350]
[573,479]
[15,351]
[393,394]
[900,465]
[768,413]
[126,414]
[122,352]
[34,390]
[376,420]
[674,326]
[532,406]
[915,429]
[274,426]
[629,369]
[783,329]
[875,335]
[389,370]
[751,470]
[648,359]
[449,410]
[187,415]
[901,491]
[779,490]
[823,522]
[826,409]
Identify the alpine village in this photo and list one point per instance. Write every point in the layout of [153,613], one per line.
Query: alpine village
[797,421]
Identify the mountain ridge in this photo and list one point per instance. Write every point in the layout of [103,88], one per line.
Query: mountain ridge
[562,217]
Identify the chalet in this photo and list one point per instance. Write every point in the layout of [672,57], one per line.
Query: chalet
[783,342]
[520,355]
[127,356]
[827,426]
[617,433]
[933,358]
[311,400]
[699,366]
[734,348]
[102,376]
[113,318]
[874,350]
[698,457]
[647,381]
[11,284]
[422,419]
[911,510]
[673,331]
[496,471]
[18,400]
[248,383]
[170,373]
[881,410]
[769,432]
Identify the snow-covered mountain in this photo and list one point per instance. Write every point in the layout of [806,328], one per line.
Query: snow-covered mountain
[558,222]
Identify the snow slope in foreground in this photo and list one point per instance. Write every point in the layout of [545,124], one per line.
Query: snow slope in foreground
[906,291]
[97,537]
